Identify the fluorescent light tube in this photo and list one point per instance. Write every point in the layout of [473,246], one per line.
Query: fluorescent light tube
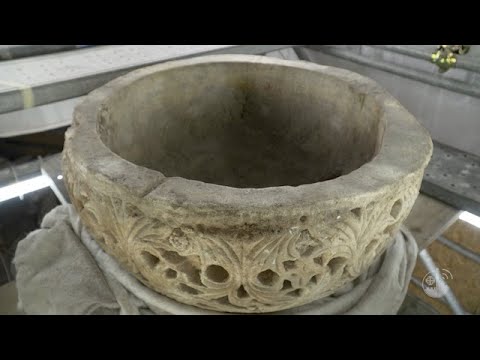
[470,218]
[23,187]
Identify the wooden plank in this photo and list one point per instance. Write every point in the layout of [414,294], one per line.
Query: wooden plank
[453,176]
[38,119]
[8,52]
[29,82]
[429,219]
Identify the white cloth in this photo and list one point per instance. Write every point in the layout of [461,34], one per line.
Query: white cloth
[62,270]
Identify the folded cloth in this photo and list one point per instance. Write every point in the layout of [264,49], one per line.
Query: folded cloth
[62,270]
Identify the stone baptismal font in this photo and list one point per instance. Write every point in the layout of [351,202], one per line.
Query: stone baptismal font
[244,184]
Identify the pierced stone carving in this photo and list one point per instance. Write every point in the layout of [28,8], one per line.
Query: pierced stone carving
[272,271]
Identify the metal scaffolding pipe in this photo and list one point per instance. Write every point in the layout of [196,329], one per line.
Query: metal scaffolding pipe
[460,249]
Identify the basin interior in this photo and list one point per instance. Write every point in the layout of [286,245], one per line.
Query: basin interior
[243,124]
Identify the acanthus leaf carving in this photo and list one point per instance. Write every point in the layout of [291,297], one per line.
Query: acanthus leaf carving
[273,270]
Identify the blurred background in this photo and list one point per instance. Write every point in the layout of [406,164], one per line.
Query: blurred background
[439,84]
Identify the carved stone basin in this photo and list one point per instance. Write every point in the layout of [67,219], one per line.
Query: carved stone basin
[243,183]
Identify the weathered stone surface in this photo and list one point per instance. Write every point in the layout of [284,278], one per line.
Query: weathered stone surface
[243,183]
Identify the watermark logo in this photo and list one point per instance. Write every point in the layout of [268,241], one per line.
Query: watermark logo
[434,283]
